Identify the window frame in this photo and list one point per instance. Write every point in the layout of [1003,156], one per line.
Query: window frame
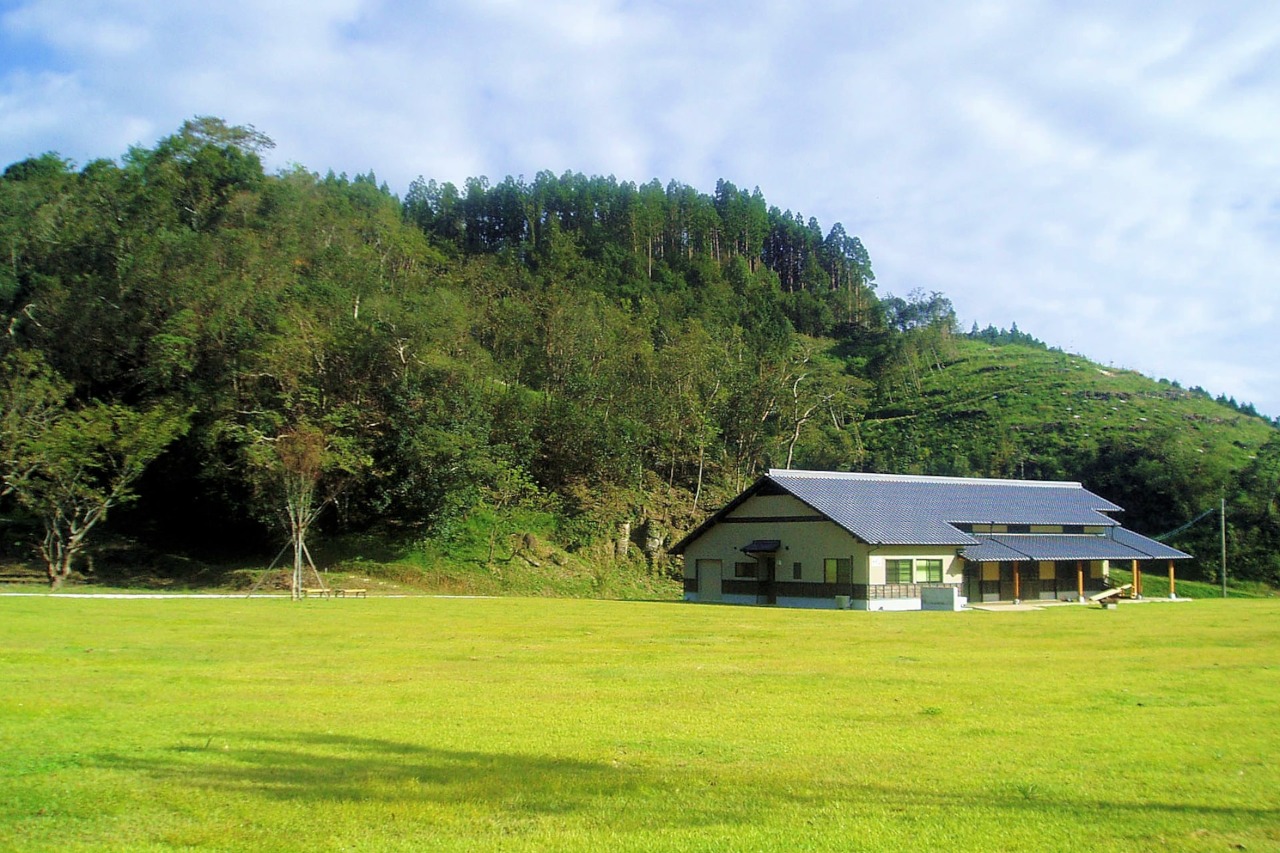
[894,568]
[926,566]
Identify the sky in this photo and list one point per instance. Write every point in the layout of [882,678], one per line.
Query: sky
[1106,175]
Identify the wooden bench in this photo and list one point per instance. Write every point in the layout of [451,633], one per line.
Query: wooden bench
[357,592]
[319,592]
[1108,598]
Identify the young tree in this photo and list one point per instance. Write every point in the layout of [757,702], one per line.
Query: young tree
[68,465]
[299,471]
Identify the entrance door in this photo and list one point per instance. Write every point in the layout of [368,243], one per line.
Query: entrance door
[709,573]
[973,582]
[768,574]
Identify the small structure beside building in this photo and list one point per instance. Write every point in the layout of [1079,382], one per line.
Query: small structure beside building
[892,542]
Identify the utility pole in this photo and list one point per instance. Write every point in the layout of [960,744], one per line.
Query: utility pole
[1222,516]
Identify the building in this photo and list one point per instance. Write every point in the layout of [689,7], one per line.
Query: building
[889,542]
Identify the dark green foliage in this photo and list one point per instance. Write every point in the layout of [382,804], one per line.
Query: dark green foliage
[999,337]
[600,350]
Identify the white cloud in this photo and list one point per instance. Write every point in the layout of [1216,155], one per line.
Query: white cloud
[1104,174]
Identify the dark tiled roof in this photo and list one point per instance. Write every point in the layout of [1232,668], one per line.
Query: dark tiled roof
[888,509]
[885,509]
[1153,549]
[991,549]
[1010,548]
[762,546]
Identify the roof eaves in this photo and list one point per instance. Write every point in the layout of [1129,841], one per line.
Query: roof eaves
[715,517]
[925,478]
[750,491]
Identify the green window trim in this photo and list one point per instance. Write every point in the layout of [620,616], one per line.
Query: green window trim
[837,570]
[929,571]
[897,571]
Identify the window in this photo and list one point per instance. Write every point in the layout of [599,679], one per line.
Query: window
[1018,528]
[744,570]
[796,574]
[837,570]
[929,571]
[897,571]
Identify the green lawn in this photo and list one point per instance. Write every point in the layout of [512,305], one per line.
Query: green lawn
[519,724]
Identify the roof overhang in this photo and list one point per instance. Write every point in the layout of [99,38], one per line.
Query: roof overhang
[1016,548]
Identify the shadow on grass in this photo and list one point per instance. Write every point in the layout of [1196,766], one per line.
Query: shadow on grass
[330,768]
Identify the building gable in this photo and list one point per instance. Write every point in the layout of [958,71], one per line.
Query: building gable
[886,509]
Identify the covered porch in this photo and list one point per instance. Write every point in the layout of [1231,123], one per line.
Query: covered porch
[1060,567]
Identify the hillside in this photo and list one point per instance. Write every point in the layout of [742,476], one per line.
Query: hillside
[1036,413]
[215,355]
[1164,453]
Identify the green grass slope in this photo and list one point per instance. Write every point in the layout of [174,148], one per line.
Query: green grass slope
[999,409]
[1162,452]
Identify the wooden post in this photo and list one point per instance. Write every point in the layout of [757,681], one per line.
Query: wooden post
[1137,580]
[1017,581]
[1172,590]
[1080,580]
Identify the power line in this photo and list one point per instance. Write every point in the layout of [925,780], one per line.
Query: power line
[1163,536]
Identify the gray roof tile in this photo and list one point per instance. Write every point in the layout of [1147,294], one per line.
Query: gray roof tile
[889,509]
[885,509]
[1009,548]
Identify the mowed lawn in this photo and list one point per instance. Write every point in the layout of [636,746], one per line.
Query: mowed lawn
[531,724]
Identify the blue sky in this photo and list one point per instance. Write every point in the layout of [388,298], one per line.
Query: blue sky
[1104,174]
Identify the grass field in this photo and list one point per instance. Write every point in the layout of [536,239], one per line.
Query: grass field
[521,724]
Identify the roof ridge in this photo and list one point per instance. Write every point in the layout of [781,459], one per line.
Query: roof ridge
[921,478]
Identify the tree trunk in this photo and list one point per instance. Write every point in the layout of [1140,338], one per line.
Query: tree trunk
[63,542]
[702,449]
[791,445]
[58,569]
[298,505]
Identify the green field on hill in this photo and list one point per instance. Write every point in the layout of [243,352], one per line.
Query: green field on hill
[532,724]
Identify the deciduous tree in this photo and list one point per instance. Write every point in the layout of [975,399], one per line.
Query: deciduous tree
[70,465]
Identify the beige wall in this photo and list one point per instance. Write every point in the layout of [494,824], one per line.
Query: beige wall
[952,566]
[772,505]
[804,542]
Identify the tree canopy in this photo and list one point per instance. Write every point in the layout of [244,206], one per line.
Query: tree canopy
[561,341]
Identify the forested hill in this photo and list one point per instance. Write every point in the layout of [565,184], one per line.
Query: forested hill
[612,356]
